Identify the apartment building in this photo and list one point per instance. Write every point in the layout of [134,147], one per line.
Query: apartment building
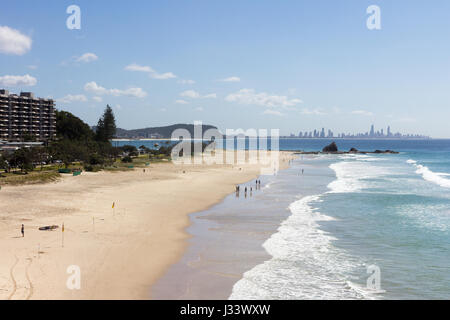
[24,116]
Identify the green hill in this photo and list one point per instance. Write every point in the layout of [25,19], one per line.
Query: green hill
[158,132]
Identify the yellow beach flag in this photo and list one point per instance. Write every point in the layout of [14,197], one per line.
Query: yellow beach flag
[63,227]
[113,205]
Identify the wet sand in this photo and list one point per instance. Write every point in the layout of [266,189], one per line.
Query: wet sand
[227,238]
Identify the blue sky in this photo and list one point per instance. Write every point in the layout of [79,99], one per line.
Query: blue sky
[293,65]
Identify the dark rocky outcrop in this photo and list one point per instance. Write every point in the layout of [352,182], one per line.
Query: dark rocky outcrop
[386,151]
[331,148]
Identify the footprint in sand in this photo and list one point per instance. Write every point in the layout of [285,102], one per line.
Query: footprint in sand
[13,280]
[17,290]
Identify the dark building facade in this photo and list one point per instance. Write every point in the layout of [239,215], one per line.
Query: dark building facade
[24,116]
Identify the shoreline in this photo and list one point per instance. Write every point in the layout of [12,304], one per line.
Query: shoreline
[228,239]
[134,244]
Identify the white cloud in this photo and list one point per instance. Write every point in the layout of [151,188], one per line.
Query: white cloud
[137,68]
[186,81]
[14,42]
[87,57]
[94,88]
[198,109]
[163,76]
[180,101]
[73,98]
[190,94]
[195,95]
[273,112]
[316,112]
[32,67]
[231,79]
[362,113]
[97,99]
[152,73]
[131,92]
[250,97]
[18,81]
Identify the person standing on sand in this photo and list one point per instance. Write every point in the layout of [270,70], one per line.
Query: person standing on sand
[23,231]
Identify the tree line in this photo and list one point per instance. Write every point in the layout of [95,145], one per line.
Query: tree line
[75,142]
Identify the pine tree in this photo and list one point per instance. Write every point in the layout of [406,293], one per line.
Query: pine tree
[106,127]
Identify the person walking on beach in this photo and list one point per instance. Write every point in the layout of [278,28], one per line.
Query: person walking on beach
[23,231]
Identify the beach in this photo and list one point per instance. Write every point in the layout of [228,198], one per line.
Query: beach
[227,239]
[120,250]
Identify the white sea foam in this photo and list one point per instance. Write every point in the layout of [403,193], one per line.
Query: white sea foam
[351,175]
[443,174]
[430,176]
[360,157]
[304,263]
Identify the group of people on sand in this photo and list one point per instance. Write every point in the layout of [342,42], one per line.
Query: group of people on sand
[248,189]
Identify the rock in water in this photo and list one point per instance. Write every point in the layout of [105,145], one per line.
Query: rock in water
[331,148]
[353,150]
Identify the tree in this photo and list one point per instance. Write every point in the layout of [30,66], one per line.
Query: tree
[69,151]
[127,159]
[71,127]
[4,164]
[129,149]
[23,159]
[106,127]
[77,142]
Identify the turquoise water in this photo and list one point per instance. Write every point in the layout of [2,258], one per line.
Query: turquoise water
[388,211]
[394,212]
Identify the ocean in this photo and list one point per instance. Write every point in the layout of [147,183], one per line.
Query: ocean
[374,226]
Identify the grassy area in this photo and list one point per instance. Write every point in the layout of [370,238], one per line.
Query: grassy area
[49,173]
[30,178]
[138,162]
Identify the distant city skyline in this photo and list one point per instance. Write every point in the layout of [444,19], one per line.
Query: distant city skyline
[371,134]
